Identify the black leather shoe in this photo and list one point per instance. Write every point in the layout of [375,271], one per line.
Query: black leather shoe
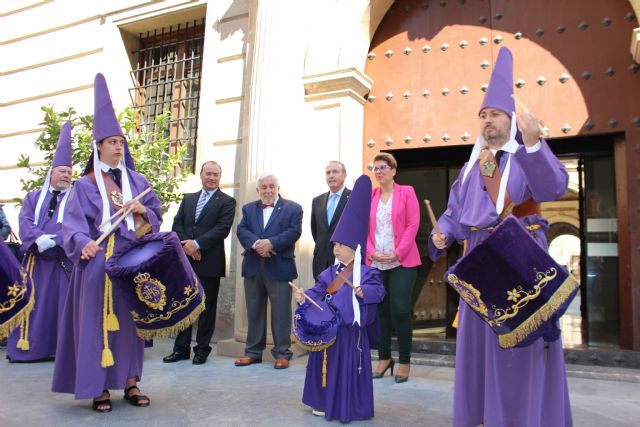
[199,359]
[175,357]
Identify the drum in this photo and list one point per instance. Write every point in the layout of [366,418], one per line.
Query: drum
[156,277]
[314,329]
[16,290]
[514,285]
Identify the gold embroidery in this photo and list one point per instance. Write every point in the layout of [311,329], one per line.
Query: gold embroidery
[188,290]
[20,316]
[488,167]
[150,291]
[173,309]
[470,294]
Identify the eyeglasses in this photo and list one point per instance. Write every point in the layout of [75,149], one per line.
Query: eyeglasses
[381,168]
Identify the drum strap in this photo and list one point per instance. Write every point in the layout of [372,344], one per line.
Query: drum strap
[337,283]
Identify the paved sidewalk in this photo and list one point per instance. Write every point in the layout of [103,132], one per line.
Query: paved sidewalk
[220,394]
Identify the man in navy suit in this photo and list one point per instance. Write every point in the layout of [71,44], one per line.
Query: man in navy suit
[202,223]
[325,213]
[268,232]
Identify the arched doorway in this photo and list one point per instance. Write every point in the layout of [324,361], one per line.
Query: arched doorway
[429,62]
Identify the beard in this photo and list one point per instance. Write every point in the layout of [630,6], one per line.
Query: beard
[496,138]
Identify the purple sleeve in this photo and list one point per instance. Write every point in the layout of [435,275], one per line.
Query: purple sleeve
[76,230]
[546,177]
[29,232]
[372,287]
[318,291]
[449,222]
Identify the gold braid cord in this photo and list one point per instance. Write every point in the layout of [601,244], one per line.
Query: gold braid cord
[18,290]
[107,311]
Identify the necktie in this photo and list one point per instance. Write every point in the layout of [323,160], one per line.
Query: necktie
[331,206]
[341,267]
[204,196]
[499,155]
[116,175]
[53,202]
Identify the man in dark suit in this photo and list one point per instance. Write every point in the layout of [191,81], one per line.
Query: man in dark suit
[325,213]
[268,232]
[203,222]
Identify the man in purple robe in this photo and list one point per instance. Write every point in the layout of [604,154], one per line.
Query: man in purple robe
[524,386]
[41,220]
[98,348]
[345,392]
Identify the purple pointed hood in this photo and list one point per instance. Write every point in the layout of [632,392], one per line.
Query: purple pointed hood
[353,226]
[62,156]
[105,122]
[500,91]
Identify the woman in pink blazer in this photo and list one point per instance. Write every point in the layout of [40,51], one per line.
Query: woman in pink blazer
[391,247]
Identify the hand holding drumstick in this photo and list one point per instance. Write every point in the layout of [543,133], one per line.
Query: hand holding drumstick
[439,240]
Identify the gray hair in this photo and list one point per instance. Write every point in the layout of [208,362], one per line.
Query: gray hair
[344,168]
[265,175]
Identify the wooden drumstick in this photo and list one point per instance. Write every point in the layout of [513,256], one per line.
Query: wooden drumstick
[306,296]
[434,221]
[354,287]
[113,226]
[543,132]
[138,197]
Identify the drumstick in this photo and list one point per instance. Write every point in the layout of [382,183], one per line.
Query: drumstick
[354,287]
[306,296]
[113,226]
[436,227]
[543,132]
[138,197]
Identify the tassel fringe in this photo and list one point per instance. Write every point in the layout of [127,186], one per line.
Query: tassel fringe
[107,311]
[324,369]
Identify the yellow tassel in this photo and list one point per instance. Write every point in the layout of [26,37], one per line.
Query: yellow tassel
[112,323]
[107,358]
[455,321]
[324,369]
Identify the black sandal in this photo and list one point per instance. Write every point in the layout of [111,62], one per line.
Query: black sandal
[135,399]
[106,403]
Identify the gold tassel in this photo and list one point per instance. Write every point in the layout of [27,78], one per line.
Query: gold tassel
[455,321]
[107,356]
[23,342]
[112,321]
[324,369]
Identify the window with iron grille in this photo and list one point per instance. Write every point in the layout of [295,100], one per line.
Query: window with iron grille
[167,78]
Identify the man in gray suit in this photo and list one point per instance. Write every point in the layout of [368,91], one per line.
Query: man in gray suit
[325,213]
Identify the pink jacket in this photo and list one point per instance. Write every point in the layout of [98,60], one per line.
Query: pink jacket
[405,213]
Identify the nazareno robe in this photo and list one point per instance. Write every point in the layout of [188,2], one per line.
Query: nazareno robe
[349,392]
[77,367]
[51,272]
[495,386]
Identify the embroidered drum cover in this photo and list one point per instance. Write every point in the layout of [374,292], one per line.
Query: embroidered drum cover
[514,285]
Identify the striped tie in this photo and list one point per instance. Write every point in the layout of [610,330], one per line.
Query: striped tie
[204,196]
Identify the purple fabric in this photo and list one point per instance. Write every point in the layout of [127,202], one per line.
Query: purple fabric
[51,273]
[349,392]
[77,367]
[507,267]
[498,386]
[105,122]
[11,286]
[151,255]
[62,156]
[500,90]
[315,329]
[353,226]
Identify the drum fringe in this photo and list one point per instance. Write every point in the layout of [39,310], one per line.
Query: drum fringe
[304,346]
[172,331]
[543,314]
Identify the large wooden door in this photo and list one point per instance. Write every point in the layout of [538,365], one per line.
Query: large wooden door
[430,61]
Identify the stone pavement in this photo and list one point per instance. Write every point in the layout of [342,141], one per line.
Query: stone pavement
[220,394]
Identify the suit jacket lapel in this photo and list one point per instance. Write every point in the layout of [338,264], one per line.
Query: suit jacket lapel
[190,206]
[395,205]
[275,213]
[207,206]
[343,201]
[325,200]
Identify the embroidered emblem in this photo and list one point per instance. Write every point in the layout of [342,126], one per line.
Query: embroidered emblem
[150,291]
[188,290]
[468,293]
[488,167]
[117,199]
[174,307]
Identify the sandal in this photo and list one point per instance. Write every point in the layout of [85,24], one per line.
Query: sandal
[136,398]
[106,404]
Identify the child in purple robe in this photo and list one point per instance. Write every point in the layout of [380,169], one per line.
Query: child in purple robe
[345,392]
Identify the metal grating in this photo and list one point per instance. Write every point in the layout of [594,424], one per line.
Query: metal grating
[167,78]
